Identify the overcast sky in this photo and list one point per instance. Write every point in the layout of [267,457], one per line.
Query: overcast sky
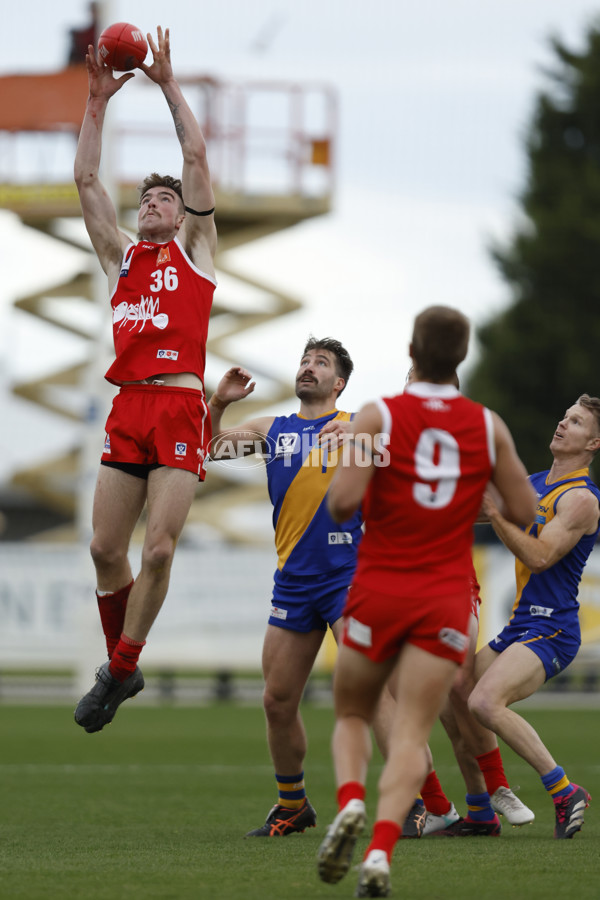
[434,100]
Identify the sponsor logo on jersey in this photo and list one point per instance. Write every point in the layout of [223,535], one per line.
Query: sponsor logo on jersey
[107,443]
[163,256]
[287,443]
[147,310]
[339,537]
[453,638]
[180,449]
[545,611]
[359,633]
[167,354]
[278,613]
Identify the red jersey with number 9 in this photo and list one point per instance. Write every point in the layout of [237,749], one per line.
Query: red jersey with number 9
[161,307]
[426,492]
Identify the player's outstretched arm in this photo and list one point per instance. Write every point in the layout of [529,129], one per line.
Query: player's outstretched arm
[198,233]
[98,210]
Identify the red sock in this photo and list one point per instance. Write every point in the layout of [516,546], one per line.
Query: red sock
[433,796]
[385,835]
[112,615]
[351,790]
[125,657]
[492,770]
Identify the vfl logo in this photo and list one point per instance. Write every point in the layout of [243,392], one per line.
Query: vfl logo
[339,537]
[287,443]
[147,310]
[180,449]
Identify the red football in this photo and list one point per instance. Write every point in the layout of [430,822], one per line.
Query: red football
[122,46]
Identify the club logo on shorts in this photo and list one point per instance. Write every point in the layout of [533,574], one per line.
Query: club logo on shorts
[359,633]
[453,638]
[278,613]
[545,611]
[167,354]
[107,443]
[180,449]
[556,665]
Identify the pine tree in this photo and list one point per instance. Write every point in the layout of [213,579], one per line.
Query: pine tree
[543,351]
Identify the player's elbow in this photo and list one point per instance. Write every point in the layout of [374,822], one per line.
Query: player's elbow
[194,153]
[339,509]
[538,565]
[84,178]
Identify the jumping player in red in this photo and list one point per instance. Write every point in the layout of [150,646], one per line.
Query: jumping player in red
[421,462]
[157,434]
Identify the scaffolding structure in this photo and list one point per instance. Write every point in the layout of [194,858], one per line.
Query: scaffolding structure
[271,152]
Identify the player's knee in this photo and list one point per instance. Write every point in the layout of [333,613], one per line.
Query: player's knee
[158,555]
[481,706]
[279,708]
[106,555]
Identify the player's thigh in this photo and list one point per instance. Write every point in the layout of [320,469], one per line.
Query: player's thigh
[514,674]
[287,659]
[423,681]
[358,682]
[170,496]
[118,501]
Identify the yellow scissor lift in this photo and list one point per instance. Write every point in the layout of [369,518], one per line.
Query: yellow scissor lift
[270,148]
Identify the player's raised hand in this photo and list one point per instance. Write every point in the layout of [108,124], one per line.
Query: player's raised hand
[235,384]
[161,70]
[101,80]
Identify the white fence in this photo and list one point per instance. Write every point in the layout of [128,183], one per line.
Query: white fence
[214,616]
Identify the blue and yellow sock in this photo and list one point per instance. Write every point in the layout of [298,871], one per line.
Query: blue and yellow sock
[557,784]
[292,793]
[479,808]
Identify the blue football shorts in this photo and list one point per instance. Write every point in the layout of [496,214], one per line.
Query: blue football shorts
[556,648]
[309,602]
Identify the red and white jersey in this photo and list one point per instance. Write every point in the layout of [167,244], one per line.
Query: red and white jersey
[425,494]
[161,307]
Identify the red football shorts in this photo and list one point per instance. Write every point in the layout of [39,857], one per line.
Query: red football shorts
[159,424]
[377,625]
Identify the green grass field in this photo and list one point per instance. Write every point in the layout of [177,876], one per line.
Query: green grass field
[157,805]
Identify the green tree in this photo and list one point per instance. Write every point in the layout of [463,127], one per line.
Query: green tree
[543,351]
